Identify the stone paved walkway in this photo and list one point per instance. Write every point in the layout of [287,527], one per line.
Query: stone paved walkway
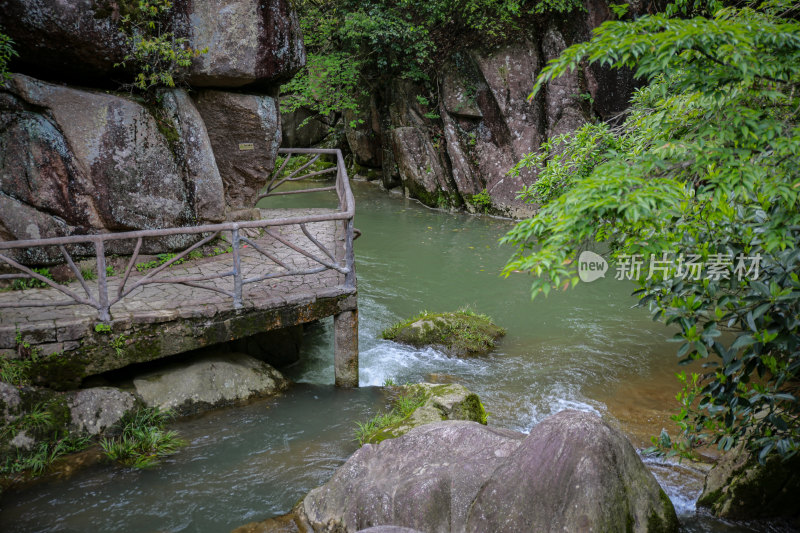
[61,329]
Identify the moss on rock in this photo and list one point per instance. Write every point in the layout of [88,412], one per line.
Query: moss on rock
[460,333]
[740,488]
[419,404]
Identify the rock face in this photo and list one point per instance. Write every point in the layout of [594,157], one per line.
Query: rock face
[423,480]
[245,135]
[301,128]
[572,473]
[481,123]
[740,488]
[209,382]
[250,42]
[75,161]
[77,40]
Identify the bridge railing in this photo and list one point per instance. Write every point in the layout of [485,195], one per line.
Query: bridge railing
[100,297]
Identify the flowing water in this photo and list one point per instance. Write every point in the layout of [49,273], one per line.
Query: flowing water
[586,348]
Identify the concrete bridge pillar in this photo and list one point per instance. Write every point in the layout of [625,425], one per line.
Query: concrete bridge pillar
[345,348]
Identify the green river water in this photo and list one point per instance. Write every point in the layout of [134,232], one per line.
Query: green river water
[586,348]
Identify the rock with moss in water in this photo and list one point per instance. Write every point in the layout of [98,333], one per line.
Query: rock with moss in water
[420,404]
[740,488]
[461,333]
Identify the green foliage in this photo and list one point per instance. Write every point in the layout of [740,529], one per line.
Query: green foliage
[143,441]
[88,274]
[32,283]
[705,165]
[157,262]
[7,52]
[355,45]
[42,456]
[328,83]
[160,57]
[118,344]
[482,201]
[15,371]
[566,158]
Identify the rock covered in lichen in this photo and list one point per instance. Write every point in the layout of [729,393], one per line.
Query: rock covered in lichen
[97,409]
[461,333]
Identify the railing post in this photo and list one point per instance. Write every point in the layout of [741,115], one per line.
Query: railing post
[104,313]
[237,269]
[349,255]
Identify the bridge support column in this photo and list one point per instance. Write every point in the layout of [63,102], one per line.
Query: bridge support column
[345,348]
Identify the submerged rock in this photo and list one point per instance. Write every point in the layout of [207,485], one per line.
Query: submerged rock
[209,381]
[740,488]
[572,473]
[459,334]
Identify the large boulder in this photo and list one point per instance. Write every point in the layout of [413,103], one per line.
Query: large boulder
[250,42]
[78,40]
[210,381]
[77,161]
[582,475]
[363,134]
[192,149]
[245,133]
[572,473]
[424,480]
[302,128]
[740,488]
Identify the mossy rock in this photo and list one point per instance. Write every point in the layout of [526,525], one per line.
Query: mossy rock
[434,403]
[461,333]
[740,488]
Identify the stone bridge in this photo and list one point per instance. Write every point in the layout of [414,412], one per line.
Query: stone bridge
[271,269]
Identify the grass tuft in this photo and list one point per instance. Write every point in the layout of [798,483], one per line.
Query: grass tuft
[143,441]
[402,406]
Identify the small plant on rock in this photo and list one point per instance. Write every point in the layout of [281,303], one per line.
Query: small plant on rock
[160,57]
[482,201]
